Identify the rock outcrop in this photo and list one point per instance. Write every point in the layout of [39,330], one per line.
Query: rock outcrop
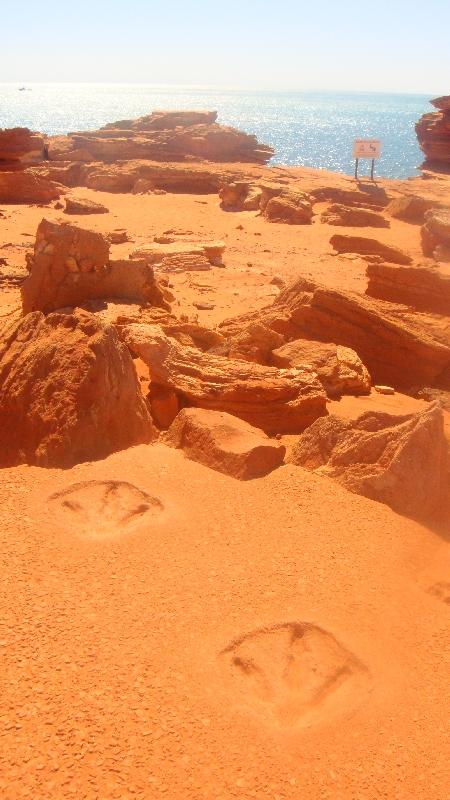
[27,186]
[410,208]
[395,350]
[433,133]
[351,217]
[291,207]
[339,369]
[68,392]
[397,460]
[277,401]
[20,146]
[422,287]
[181,256]
[368,247]
[224,443]
[71,265]
[162,136]
[81,206]
[435,234]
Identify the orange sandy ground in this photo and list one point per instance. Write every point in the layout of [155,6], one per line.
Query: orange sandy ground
[123,673]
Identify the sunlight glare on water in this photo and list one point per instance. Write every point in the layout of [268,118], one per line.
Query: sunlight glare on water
[306,129]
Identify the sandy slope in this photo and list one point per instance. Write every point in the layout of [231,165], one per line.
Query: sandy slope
[114,621]
[167,631]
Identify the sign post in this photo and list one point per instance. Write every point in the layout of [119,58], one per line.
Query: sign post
[366,148]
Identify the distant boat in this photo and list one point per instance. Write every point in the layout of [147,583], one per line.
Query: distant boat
[24,89]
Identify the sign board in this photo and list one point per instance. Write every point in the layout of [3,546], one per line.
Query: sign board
[366,148]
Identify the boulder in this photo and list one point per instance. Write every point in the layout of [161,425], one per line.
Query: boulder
[27,187]
[368,247]
[433,133]
[435,234]
[240,196]
[181,256]
[277,401]
[20,146]
[410,208]
[339,369]
[71,265]
[423,287]
[77,205]
[68,392]
[396,348]
[351,217]
[397,460]
[224,443]
[255,343]
[291,207]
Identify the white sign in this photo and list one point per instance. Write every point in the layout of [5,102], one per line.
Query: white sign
[366,148]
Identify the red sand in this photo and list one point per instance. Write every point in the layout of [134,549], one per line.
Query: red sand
[278,638]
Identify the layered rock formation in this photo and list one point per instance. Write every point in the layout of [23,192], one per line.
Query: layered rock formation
[344,243]
[394,350]
[19,146]
[347,216]
[68,391]
[339,369]
[162,136]
[224,443]
[435,234]
[71,265]
[433,133]
[421,287]
[397,460]
[277,401]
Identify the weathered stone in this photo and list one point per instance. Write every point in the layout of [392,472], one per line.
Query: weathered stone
[71,265]
[340,370]
[224,443]
[424,288]
[397,460]
[68,392]
[348,216]
[358,244]
[277,401]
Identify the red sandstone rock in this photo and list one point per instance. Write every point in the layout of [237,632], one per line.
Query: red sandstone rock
[181,256]
[433,133]
[68,392]
[20,145]
[159,137]
[359,244]
[224,443]
[395,350]
[83,206]
[293,208]
[71,265]
[277,401]
[240,196]
[423,288]
[27,186]
[410,208]
[340,370]
[435,234]
[400,461]
[348,216]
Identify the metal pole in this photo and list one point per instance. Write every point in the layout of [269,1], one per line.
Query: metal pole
[371,171]
[356,168]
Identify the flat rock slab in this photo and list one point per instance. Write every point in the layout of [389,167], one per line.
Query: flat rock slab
[224,443]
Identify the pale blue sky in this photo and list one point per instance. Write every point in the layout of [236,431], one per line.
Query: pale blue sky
[361,45]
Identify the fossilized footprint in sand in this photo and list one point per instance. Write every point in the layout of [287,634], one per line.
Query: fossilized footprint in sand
[293,674]
[100,509]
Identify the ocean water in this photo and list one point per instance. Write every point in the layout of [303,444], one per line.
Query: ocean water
[305,128]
